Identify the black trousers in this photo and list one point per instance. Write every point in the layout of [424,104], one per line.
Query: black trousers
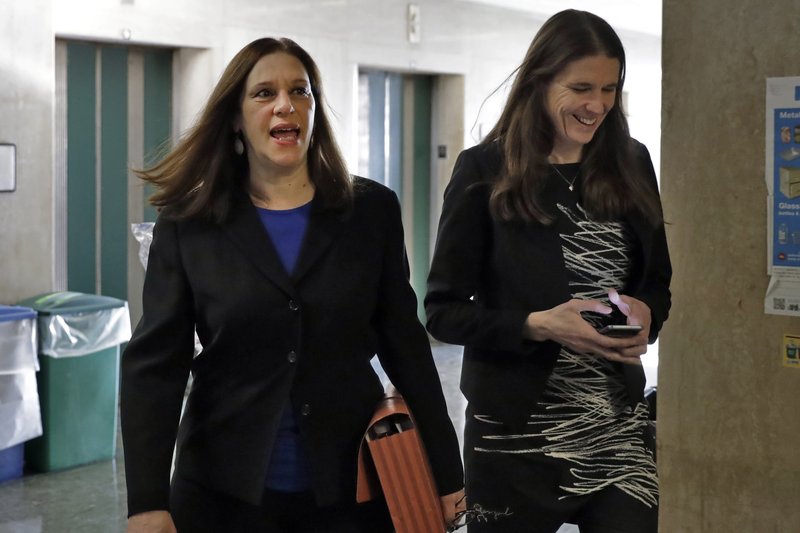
[196,509]
[511,493]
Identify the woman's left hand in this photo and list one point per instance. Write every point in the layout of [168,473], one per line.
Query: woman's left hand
[638,313]
[452,504]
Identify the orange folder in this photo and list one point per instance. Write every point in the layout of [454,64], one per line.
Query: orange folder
[392,462]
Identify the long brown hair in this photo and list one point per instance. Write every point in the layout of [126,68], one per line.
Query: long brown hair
[202,174]
[613,178]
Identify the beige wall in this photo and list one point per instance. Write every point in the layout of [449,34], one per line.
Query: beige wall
[729,412]
[27,89]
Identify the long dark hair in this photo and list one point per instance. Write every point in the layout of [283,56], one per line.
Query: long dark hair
[613,179]
[201,175]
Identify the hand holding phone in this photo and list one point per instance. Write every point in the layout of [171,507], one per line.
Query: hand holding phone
[621,330]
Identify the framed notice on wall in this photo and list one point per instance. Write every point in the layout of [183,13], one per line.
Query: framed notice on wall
[782,175]
[8,167]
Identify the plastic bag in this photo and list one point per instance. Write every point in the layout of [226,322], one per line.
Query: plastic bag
[143,233]
[76,334]
[19,408]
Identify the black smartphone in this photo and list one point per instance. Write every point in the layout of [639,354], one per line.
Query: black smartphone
[620,330]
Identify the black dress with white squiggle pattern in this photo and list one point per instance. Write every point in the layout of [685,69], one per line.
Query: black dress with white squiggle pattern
[584,420]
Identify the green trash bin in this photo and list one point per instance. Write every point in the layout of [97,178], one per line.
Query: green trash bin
[79,346]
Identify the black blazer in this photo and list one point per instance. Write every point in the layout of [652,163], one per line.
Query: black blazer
[269,337]
[487,276]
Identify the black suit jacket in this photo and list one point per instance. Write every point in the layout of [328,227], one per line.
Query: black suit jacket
[487,276]
[269,337]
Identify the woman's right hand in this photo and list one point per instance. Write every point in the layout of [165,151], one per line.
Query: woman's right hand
[151,522]
[452,505]
[565,325]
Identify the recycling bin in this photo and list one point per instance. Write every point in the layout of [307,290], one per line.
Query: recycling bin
[20,418]
[79,347]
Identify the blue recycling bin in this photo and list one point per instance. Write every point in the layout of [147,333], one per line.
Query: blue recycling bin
[20,415]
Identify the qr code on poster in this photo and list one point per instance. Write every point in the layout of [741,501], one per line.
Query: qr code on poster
[779,304]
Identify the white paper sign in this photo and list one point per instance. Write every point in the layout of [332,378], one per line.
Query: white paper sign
[782,176]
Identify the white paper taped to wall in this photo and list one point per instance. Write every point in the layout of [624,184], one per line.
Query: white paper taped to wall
[782,177]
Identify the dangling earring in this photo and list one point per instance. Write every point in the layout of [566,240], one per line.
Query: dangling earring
[238,145]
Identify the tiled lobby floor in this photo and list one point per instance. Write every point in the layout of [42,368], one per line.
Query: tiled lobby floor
[91,499]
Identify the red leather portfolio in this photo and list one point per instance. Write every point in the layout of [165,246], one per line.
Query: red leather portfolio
[392,463]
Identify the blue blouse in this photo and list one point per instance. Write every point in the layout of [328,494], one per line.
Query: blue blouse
[289,468]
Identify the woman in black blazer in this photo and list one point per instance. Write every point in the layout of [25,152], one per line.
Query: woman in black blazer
[294,276]
[551,229]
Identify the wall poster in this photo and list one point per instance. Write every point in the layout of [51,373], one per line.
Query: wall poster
[782,176]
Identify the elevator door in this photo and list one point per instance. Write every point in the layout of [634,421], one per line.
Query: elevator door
[113,114]
[395,149]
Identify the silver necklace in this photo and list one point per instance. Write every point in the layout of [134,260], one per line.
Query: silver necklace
[570,183]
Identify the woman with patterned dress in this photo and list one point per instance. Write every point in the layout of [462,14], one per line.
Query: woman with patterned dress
[552,228]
